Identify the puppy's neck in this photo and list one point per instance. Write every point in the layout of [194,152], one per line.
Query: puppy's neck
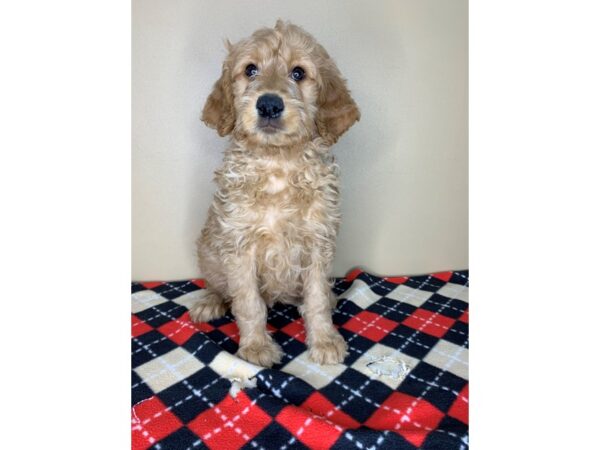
[294,150]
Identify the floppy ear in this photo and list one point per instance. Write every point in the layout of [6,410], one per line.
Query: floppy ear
[336,109]
[218,111]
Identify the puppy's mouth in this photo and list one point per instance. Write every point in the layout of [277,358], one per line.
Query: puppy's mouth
[269,126]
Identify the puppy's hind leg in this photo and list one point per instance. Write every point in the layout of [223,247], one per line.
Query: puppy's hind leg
[210,306]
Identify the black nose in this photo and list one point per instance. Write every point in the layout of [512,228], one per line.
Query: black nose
[269,106]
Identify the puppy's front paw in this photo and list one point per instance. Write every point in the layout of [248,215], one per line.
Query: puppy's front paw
[262,353]
[328,349]
[209,307]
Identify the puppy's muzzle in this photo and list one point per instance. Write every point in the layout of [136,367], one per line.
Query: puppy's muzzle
[269,106]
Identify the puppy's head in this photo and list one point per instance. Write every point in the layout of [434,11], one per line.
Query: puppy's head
[279,87]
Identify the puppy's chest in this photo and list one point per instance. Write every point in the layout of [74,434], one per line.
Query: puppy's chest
[279,197]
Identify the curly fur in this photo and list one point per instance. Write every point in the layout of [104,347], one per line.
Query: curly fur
[271,228]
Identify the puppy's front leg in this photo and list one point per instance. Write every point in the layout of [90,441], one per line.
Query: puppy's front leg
[325,344]
[250,311]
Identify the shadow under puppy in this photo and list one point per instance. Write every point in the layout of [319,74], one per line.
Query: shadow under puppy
[271,228]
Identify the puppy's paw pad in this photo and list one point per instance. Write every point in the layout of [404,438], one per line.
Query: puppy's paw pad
[263,354]
[330,349]
[208,308]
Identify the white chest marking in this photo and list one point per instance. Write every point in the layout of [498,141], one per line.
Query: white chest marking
[272,216]
[275,184]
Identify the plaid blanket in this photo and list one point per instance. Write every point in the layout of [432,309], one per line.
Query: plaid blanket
[403,384]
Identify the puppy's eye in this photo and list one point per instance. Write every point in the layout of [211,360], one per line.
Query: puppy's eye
[298,73]
[251,70]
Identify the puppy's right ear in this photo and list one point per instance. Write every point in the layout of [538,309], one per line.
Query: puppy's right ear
[218,111]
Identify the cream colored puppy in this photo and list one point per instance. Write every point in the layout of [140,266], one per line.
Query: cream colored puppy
[271,228]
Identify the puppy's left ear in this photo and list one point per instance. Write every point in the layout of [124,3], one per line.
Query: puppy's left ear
[219,112]
[336,109]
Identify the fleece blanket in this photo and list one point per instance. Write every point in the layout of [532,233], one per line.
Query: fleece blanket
[403,385]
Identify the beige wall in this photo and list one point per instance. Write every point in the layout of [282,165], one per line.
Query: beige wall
[404,165]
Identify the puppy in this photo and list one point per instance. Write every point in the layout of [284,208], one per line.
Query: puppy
[271,228]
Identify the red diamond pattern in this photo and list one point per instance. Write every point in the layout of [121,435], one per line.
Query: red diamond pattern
[230,424]
[138,326]
[429,322]
[351,276]
[152,284]
[309,429]
[460,408]
[408,416]
[151,421]
[397,280]
[231,330]
[318,404]
[370,325]
[296,330]
[180,330]
[444,276]
[200,283]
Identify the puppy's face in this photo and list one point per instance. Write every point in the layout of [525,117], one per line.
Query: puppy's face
[279,88]
[275,88]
